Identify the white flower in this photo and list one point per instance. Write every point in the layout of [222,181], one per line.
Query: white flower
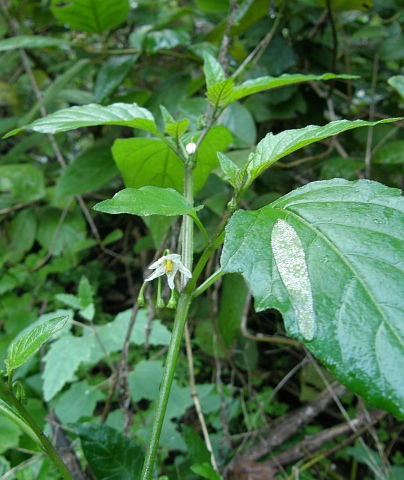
[168,265]
[191,148]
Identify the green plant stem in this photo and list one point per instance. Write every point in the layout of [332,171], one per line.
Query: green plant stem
[50,450]
[199,224]
[207,283]
[188,223]
[166,382]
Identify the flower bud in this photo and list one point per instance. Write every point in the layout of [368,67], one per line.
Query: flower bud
[191,148]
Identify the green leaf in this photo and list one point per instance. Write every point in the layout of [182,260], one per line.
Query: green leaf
[392,153]
[213,71]
[94,16]
[78,401]
[30,41]
[238,119]
[69,300]
[147,201]
[123,114]
[89,171]
[70,233]
[9,433]
[177,129]
[112,335]
[62,361]
[205,470]
[144,381]
[19,244]
[145,161]
[165,39]
[213,6]
[110,454]
[397,82]
[232,305]
[267,83]
[195,445]
[56,87]
[221,93]
[274,147]
[111,75]
[85,292]
[352,236]
[20,183]
[28,344]
[347,4]
[231,170]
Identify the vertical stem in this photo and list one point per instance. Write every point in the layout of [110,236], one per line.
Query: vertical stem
[166,382]
[188,223]
[178,331]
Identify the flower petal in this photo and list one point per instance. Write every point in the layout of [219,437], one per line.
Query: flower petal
[156,264]
[159,272]
[170,279]
[184,270]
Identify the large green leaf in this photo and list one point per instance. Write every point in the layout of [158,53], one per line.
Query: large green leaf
[111,75]
[147,201]
[93,16]
[123,114]
[20,183]
[267,83]
[78,401]
[24,221]
[351,239]
[89,171]
[145,161]
[61,362]
[31,342]
[110,454]
[274,147]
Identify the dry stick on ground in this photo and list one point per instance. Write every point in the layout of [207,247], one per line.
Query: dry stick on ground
[313,443]
[288,425]
[376,468]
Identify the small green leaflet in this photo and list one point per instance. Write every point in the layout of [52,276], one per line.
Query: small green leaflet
[30,343]
[290,260]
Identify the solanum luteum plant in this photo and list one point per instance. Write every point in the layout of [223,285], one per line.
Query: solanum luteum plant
[329,256]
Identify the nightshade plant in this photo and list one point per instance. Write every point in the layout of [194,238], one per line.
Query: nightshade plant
[329,256]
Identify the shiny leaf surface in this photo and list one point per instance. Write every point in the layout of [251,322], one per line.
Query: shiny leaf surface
[28,344]
[123,114]
[352,236]
[147,201]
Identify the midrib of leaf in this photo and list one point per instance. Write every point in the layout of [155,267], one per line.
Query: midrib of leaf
[348,264]
[97,20]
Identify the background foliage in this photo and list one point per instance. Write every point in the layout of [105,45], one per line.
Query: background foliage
[60,258]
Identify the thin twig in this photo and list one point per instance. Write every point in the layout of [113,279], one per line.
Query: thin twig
[368,155]
[195,398]
[260,48]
